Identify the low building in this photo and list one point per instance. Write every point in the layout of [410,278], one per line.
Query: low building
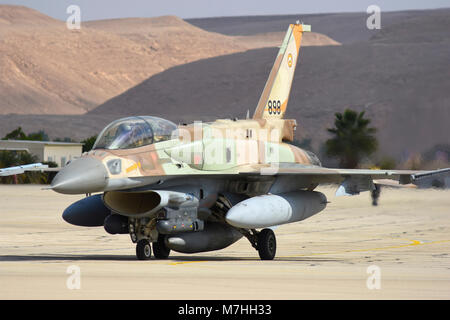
[59,152]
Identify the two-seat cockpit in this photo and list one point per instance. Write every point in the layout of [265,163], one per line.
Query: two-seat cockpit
[135,132]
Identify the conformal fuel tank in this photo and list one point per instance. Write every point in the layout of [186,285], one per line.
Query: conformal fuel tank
[271,210]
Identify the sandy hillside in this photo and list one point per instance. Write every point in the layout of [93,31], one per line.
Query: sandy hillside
[49,69]
[274,39]
[20,16]
[399,79]
[346,28]
[398,75]
[149,31]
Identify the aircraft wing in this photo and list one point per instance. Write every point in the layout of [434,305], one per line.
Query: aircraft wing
[353,181]
[21,169]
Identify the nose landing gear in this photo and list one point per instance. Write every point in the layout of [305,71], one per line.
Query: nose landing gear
[143,250]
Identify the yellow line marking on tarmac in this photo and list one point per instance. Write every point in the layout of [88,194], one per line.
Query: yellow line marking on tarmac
[411,244]
[184,262]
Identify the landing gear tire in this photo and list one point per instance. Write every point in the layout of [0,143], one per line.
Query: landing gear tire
[267,244]
[143,250]
[160,249]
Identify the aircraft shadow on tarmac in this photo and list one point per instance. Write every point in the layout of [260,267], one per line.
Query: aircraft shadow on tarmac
[174,259]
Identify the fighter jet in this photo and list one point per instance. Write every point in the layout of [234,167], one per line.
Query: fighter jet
[203,186]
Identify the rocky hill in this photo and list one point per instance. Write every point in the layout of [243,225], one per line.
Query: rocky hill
[399,75]
[49,69]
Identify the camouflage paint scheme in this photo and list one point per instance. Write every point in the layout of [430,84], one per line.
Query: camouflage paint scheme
[213,167]
[255,135]
[150,164]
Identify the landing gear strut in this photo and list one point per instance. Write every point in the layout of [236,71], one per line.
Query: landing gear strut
[143,249]
[375,193]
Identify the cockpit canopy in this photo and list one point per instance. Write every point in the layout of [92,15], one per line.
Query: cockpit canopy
[134,132]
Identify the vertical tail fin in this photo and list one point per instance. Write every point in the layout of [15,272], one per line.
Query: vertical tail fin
[274,99]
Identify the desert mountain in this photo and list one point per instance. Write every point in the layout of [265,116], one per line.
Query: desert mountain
[399,75]
[20,16]
[49,69]
[345,28]
[400,79]
[273,39]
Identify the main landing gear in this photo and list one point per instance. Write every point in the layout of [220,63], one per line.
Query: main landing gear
[263,241]
[160,249]
[375,193]
[267,244]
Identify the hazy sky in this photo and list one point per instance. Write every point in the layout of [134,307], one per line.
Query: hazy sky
[105,9]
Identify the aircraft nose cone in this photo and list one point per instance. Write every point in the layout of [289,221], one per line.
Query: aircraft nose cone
[83,175]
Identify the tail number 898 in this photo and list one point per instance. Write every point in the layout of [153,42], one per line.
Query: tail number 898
[274,106]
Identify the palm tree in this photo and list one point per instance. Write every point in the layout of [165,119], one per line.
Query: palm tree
[352,140]
[88,143]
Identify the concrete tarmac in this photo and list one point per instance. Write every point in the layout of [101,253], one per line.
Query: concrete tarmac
[351,250]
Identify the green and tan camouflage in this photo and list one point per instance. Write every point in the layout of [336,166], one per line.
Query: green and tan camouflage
[203,186]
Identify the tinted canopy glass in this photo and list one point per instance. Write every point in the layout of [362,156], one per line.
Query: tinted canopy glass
[134,132]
